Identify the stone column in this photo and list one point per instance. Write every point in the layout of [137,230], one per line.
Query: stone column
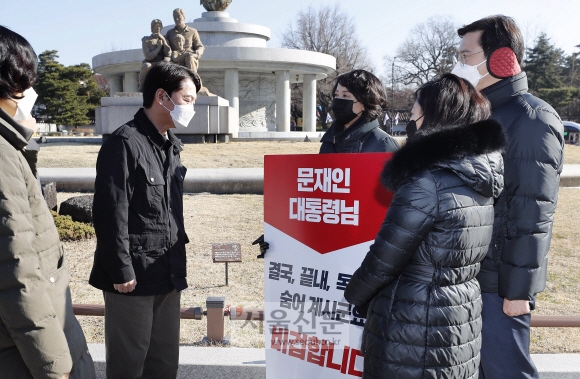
[131,82]
[309,103]
[283,101]
[232,88]
[115,84]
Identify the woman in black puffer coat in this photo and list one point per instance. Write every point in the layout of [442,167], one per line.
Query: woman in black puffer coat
[417,283]
[359,99]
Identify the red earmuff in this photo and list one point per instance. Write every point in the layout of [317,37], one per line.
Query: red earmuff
[502,63]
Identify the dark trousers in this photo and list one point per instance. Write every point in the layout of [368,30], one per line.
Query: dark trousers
[142,336]
[505,347]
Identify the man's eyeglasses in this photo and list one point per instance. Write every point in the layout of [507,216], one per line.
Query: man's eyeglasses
[462,58]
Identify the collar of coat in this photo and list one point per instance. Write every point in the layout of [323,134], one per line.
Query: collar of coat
[16,134]
[338,134]
[436,146]
[153,134]
[504,90]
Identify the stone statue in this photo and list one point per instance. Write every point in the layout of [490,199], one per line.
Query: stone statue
[184,56]
[186,45]
[155,48]
[215,5]
[191,49]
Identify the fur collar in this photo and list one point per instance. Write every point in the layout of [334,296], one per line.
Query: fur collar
[438,146]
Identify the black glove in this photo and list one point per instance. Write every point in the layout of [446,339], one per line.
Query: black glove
[263,246]
[361,311]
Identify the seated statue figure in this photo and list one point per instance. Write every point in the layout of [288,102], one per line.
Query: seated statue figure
[155,49]
[191,41]
[184,56]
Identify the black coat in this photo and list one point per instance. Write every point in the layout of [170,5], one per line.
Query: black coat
[516,264]
[418,279]
[138,211]
[361,137]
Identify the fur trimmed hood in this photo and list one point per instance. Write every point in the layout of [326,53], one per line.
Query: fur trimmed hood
[463,149]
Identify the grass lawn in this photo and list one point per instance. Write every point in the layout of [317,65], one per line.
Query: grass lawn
[239,218]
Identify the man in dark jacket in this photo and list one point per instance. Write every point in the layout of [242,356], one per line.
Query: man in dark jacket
[515,267]
[140,260]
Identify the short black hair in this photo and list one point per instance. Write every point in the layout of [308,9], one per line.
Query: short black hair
[450,100]
[497,31]
[169,77]
[367,89]
[18,64]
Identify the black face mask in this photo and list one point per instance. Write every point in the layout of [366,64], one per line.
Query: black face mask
[411,128]
[342,109]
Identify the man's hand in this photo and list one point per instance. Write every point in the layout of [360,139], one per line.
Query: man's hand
[514,308]
[65,376]
[264,246]
[126,287]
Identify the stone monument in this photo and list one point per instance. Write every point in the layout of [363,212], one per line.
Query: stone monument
[155,49]
[215,5]
[184,41]
[251,81]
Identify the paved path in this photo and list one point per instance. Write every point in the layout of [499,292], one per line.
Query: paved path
[232,362]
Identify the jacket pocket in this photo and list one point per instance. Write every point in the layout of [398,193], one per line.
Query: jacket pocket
[152,194]
[148,255]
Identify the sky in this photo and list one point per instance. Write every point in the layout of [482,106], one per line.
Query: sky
[81,29]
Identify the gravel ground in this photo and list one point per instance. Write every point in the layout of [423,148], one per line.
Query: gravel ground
[239,218]
[209,219]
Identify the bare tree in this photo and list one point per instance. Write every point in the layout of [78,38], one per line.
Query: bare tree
[328,30]
[427,53]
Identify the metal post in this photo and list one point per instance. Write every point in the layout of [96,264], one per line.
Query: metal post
[393,93]
[226,274]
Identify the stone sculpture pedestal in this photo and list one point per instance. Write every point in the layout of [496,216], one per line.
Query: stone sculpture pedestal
[214,119]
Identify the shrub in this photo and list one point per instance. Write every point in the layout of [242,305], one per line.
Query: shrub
[69,230]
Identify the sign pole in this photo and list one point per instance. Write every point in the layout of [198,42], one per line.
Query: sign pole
[226,252]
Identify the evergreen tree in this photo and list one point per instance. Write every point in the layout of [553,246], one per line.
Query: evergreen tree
[544,65]
[69,94]
[571,72]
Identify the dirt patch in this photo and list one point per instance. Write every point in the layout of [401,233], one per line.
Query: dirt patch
[209,155]
[238,218]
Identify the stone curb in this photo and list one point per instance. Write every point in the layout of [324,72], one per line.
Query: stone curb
[240,363]
[213,180]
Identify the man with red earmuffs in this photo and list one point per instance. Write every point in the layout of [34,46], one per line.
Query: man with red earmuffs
[515,267]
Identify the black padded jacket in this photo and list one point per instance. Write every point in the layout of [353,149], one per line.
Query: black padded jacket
[418,279]
[361,137]
[516,264]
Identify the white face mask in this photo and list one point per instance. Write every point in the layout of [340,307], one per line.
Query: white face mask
[181,114]
[468,72]
[24,105]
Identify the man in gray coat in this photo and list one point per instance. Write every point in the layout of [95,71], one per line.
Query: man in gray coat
[515,267]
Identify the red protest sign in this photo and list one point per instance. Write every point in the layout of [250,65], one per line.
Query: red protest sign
[327,202]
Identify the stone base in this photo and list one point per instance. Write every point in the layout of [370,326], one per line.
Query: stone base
[204,138]
[213,115]
[279,136]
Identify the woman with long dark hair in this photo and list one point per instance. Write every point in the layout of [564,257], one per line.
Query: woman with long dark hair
[417,283]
